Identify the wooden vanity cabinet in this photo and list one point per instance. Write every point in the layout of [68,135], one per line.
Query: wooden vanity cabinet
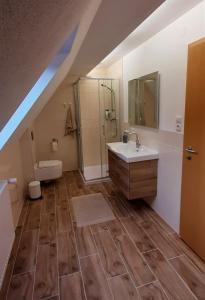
[134,180]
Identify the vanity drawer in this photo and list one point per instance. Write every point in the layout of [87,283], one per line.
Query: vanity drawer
[143,189]
[143,170]
[134,180]
[119,172]
[118,161]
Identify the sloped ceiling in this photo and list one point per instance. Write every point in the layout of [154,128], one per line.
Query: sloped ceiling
[63,70]
[115,19]
[167,13]
[31,33]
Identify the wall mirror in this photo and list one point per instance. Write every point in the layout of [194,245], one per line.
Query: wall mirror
[143,100]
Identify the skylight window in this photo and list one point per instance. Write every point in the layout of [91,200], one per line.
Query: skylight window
[36,90]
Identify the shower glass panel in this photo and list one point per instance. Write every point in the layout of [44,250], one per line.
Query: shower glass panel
[97,118]
[109,114]
[78,125]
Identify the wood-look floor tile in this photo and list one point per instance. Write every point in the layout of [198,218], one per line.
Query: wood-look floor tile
[33,215]
[47,228]
[99,227]
[136,265]
[109,255]
[191,275]
[97,188]
[21,287]
[53,298]
[10,265]
[70,209]
[60,182]
[137,211]
[74,190]
[122,288]
[152,291]
[116,229]
[85,242]
[96,286]
[118,207]
[170,281]
[158,219]
[63,220]
[78,180]
[162,241]
[69,177]
[46,278]
[140,238]
[23,214]
[26,256]
[71,287]
[48,203]
[122,201]
[61,195]
[86,190]
[67,255]
[109,188]
[18,234]
[7,278]
[48,188]
[57,197]
[196,260]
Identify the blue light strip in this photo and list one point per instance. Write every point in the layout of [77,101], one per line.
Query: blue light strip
[36,91]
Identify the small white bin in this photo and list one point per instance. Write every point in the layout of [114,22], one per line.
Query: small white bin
[34,189]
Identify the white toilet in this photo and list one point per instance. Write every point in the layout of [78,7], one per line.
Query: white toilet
[48,170]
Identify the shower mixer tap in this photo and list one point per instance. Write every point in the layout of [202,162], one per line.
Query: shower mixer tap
[110,114]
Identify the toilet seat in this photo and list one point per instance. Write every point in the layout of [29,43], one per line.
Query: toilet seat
[48,170]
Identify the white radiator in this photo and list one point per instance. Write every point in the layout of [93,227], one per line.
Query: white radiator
[7,233]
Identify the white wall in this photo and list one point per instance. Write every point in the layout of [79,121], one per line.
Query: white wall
[50,124]
[28,156]
[11,167]
[115,71]
[166,52]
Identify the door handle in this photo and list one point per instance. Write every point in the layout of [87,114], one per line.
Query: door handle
[190,150]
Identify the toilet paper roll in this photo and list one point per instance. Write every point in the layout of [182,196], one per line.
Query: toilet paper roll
[54,146]
[12,180]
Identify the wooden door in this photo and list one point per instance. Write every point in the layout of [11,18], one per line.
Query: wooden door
[192,227]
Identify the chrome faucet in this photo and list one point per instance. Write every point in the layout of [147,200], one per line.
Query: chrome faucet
[138,144]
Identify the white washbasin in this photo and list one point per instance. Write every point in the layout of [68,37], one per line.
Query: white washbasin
[129,153]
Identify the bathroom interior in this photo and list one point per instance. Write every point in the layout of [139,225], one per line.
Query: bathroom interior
[101,178]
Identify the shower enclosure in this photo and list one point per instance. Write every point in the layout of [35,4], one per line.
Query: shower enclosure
[97,120]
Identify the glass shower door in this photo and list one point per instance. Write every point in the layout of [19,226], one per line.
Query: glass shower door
[90,128]
[109,116]
[78,125]
[97,118]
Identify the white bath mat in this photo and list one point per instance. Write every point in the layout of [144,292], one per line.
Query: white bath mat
[91,209]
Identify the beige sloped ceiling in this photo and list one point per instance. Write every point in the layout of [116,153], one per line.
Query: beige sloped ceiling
[31,33]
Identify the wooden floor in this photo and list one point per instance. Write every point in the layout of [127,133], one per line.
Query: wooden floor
[136,256]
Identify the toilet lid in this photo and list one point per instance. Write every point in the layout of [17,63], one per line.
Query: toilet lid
[48,163]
